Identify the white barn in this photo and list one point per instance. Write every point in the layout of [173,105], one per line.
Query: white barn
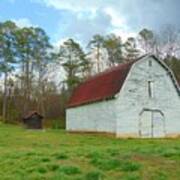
[137,99]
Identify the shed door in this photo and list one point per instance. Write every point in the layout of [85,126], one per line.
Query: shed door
[152,124]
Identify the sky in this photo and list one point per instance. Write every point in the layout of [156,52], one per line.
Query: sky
[81,19]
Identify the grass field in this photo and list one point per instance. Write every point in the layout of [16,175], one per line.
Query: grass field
[55,154]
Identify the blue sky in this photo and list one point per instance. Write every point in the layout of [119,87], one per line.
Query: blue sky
[80,19]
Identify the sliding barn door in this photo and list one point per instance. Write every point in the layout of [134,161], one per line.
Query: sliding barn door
[152,124]
[158,125]
[145,124]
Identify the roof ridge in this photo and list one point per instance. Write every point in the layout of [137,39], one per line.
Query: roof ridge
[109,70]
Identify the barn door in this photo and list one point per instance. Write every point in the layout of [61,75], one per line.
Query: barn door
[145,124]
[151,124]
[158,124]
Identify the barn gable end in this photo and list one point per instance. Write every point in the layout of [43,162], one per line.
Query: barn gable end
[134,103]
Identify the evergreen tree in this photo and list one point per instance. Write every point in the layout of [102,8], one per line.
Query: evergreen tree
[74,62]
[7,56]
[42,58]
[113,45]
[147,40]
[131,50]
[95,45]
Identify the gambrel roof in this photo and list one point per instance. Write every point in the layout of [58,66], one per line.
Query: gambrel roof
[105,85]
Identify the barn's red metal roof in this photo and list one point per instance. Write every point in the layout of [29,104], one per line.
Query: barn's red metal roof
[101,86]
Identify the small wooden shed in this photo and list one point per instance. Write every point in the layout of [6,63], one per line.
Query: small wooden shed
[33,120]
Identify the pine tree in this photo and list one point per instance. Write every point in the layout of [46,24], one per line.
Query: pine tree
[73,59]
[7,57]
[113,45]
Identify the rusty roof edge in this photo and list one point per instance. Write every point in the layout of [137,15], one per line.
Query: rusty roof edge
[93,101]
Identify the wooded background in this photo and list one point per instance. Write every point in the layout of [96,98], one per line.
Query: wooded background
[37,75]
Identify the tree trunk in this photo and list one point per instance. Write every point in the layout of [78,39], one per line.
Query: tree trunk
[26,88]
[98,59]
[41,94]
[4,110]
[43,111]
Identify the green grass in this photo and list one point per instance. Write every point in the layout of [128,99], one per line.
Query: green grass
[57,155]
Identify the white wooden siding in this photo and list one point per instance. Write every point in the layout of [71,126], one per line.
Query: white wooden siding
[134,97]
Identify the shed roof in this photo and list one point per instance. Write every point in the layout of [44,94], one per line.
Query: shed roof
[30,114]
[101,86]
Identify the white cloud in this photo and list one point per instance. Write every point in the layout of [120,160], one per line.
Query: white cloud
[85,18]
[124,34]
[23,22]
[143,13]
[90,17]
[119,24]
[117,20]
[60,42]
[72,5]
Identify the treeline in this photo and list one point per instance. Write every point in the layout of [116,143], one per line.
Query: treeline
[27,60]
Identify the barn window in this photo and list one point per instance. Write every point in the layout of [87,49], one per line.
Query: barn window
[150,63]
[151,89]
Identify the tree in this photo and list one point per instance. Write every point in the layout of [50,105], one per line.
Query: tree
[7,56]
[131,50]
[96,44]
[25,45]
[42,58]
[74,62]
[169,41]
[174,64]
[25,56]
[147,40]
[113,45]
